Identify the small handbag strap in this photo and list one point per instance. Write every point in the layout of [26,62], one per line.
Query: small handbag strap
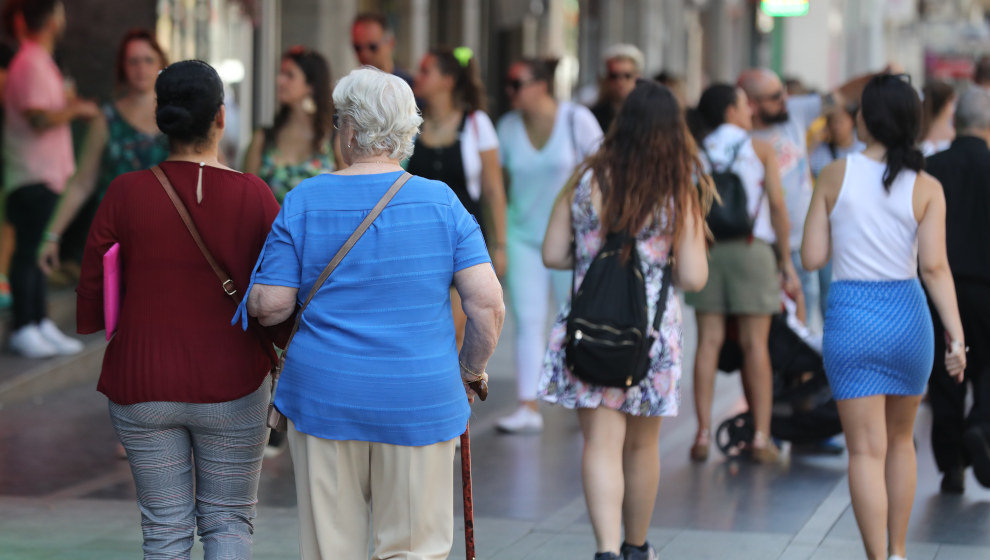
[668,273]
[225,281]
[341,253]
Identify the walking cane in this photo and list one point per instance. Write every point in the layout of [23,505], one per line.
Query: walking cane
[480,387]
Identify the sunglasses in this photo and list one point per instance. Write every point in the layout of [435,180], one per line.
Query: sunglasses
[517,84]
[615,76]
[336,121]
[775,96]
[371,47]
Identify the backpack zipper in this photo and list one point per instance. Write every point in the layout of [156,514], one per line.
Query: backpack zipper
[608,328]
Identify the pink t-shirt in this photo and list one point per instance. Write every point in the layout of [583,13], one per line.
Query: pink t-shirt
[31,156]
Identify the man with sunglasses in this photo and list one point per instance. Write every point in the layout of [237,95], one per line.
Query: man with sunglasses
[623,65]
[374,43]
[783,122]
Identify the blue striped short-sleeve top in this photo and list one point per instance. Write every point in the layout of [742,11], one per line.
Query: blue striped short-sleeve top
[375,357]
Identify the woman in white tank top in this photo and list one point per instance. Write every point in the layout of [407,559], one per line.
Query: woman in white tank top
[877,215]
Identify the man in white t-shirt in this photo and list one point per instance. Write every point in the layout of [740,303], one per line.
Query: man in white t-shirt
[784,122]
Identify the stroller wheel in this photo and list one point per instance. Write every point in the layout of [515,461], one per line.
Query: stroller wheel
[733,434]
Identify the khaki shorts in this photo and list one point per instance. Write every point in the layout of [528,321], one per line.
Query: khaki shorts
[742,280]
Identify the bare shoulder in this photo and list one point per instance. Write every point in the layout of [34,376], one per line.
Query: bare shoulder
[926,184]
[927,191]
[763,148]
[830,179]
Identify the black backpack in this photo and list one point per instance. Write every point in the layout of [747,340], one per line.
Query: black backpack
[607,340]
[729,219]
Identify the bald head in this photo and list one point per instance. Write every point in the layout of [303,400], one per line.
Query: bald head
[767,97]
[757,82]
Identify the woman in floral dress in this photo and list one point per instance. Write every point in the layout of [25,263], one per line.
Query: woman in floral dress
[648,162]
[299,144]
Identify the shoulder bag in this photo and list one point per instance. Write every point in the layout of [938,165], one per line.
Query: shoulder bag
[276,420]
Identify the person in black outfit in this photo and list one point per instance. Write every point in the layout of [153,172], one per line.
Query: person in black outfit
[623,66]
[459,146]
[958,438]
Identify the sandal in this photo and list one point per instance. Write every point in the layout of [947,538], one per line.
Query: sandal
[699,451]
[767,453]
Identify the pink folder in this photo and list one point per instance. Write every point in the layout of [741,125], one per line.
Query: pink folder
[111,289]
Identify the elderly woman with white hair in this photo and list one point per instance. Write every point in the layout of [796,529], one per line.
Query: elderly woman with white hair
[372,383]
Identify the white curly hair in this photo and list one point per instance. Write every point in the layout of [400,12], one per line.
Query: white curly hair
[382,109]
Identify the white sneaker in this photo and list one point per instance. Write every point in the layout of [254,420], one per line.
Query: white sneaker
[896,557]
[272,451]
[63,344]
[29,342]
[523,421]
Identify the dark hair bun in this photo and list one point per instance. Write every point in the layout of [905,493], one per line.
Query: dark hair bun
[174,120]
[190,94]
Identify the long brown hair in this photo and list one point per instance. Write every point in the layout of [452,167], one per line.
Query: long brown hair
[316,71]
[649,161]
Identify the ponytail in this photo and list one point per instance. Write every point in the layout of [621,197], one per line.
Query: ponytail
[891,112]
[461,64]
[900,158]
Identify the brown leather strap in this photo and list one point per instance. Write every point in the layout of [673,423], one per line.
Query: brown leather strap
[341,253]
[225,281]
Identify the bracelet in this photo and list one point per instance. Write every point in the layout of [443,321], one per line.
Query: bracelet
[52,236]
[957,345]
[476,375]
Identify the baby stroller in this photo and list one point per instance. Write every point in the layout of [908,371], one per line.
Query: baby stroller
[804,411]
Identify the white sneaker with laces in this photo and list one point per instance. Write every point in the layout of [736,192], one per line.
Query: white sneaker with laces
[524,420]
[29,342]
[63,344]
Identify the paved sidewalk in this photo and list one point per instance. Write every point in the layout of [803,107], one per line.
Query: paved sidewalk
[64,494]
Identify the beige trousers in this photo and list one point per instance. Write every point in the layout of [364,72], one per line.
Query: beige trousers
[408,490]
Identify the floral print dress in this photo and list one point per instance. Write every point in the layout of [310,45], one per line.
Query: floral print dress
[128,149]
[282,178]
[658,394]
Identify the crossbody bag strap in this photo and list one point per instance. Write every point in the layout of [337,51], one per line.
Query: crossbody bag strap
[341,253]
[225,281]
[668,272]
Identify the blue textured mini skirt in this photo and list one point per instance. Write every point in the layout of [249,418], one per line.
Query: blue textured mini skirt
[879,338]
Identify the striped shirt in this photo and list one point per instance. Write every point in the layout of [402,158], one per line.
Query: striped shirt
[375,357]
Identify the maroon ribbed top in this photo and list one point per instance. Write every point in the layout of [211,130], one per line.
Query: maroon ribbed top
[174,339]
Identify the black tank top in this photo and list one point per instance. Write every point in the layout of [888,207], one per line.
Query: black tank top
[445,164]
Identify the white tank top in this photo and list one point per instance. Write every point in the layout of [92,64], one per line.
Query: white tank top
[720,145]
[874,232]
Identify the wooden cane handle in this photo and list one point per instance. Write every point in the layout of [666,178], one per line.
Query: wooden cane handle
[480,387]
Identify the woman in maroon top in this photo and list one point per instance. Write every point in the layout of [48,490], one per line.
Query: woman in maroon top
[188,392]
